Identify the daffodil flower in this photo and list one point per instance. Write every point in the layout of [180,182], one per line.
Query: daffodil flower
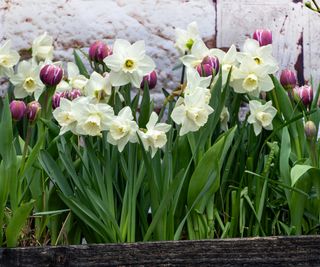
[8,58]
[98,87]
[42,48]
[128,63]
[155,135]
[191,112]
[92,118]
[251,78]
[27,80]
[123,129]
[261,116]
[186,38]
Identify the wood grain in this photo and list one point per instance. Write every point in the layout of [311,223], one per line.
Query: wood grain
[271,251]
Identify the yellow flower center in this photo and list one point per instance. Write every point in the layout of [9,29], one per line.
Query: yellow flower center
[129,64]
[189,44]
[264,118]
[29,84]
[250,83]
[99,94]
[258,60]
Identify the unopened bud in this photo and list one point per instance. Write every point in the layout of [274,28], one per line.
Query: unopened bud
[33,109]
[305,93]
[18,109]
[310,130]
[213,62]
[151,79]
[56,100]
[98,51]
[205,70]
[51,74]
[288,79]
[75,93]
[264,37]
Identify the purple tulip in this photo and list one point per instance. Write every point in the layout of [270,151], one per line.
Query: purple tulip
[51,75]
[98,51]
[288,79]
[205,70]
[305,93]
[213,62]
[264,37]
[56,100]
[151,79]
[18,109]
[75,93]
[33,109]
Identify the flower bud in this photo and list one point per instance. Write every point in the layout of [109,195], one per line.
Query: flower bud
[310,130]
[288,79]
[98,51]
[151,79]
[51,74]
[305,94]
[33,109]
[213,62]
[264,37]
[56,100]
[18,109]
[75,93]
[205,70]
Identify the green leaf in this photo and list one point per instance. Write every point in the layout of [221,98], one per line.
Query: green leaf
[54,172]
[79,63]
[298,171]
[209,169]
[16,223]
[145,107]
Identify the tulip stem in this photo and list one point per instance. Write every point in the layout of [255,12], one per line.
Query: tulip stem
[25,148]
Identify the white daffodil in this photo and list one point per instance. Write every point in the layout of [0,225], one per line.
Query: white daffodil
[262,55]
[42,48]
[261,115]
[98,87]
[186,38]
[128,63]
[75,79]
[155,135]
[191,112]
[199,51]
[65,115]
[123,129]
[224,118]
[227,61]
[196,83]
[92,118]
[8,58]
[27,80]
[251,78]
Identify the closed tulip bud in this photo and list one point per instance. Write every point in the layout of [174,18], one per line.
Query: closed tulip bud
[264,37]
[75,93]
[213,62]
[151,79]
[33,109]
[51,74]
[56,100]
[98,51]
[310,130]
[205,70]
[305,94]
[18,109]
[288,79]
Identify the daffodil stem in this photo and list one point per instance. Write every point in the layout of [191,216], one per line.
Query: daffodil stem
[276,103]
[25,148]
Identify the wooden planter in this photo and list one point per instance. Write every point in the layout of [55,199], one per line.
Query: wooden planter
[269,251]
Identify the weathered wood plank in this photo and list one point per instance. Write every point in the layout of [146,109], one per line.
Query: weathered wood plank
[271,251]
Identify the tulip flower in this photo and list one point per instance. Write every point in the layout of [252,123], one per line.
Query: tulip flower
[151,80]
[33,109]
[18,109]
[288,79]
[51,75]
[98,51]
[264,37]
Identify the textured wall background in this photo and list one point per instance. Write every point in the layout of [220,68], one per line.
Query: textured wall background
[77,23]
